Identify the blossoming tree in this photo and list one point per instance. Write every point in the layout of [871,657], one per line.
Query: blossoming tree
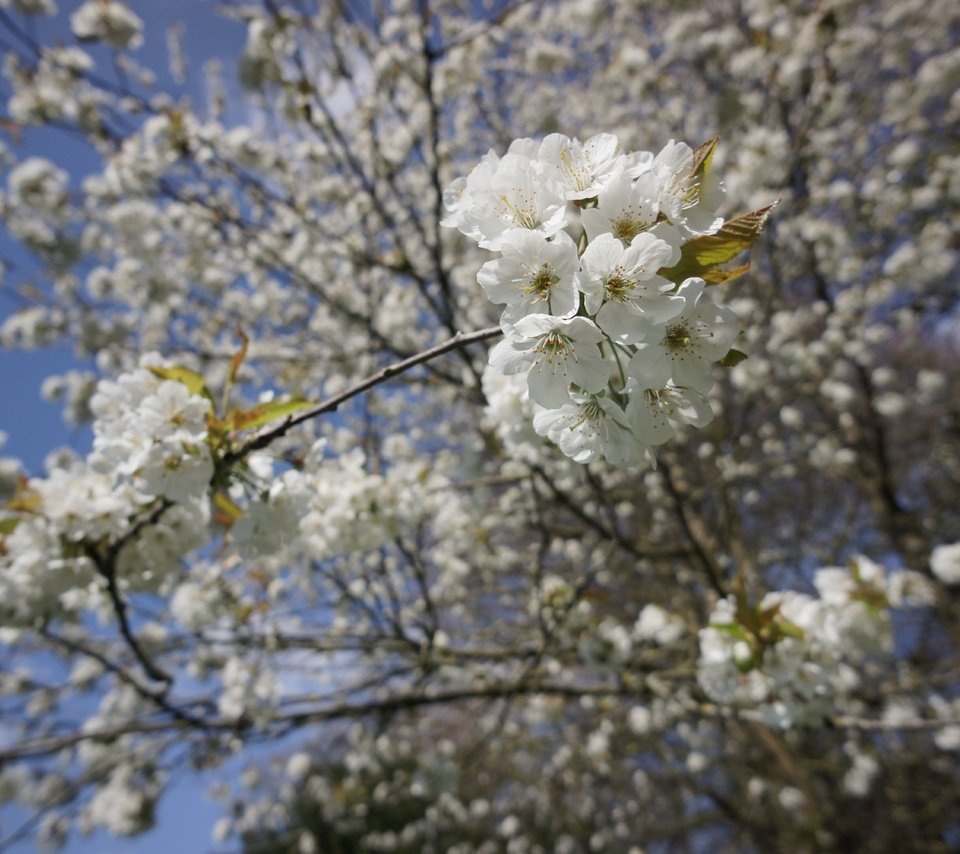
[470,430]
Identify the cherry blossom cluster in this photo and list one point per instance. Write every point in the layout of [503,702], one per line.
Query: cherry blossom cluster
[152,432]
[617,357]
[108,21]
[793,656]
[150,442]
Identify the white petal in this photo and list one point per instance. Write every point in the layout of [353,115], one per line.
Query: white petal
[548,383]
[624,322]
[508,359]
[689,370]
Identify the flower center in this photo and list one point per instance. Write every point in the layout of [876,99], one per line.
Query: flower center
[575,168]
[540,282]
[660,398]
[619,285]
[554,346]
[686,189]
[589,413]
[626,229]
[522,212]
[678,337]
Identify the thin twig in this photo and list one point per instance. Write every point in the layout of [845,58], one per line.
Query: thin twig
[263,439]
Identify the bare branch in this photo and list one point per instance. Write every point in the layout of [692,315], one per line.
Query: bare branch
[263,439]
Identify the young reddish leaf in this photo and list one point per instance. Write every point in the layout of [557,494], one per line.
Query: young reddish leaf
[236,360]
[765,616]
[703,156]
[718,275]
[734,236]
[25,501]
[702,256]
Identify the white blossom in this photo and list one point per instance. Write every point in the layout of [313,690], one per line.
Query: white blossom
[587,427]
[657,413]
[110,21]
[945,563]
[507,194]
[555,353]
[583,169]
[688,201]
[622,287]
[533,275]
[687,345]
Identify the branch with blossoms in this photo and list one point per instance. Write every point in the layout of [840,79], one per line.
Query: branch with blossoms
[607,332]
[418,551]
[182,458]
[604,258]
[622,294]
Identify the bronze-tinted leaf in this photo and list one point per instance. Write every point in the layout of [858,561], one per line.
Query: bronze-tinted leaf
[702,256]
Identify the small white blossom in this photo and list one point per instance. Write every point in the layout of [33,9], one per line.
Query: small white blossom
[687,346]
[587,427]
[624,209]
[945,563]
[657,413]
[688,201]
[109,21]
[504,195]
[177,471]
[622,288]
[658,625]
[533,275]
[582,169]
[556,353]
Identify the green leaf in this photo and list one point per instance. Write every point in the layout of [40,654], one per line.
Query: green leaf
[8,525]
[703,256]
[734,630]
[733,357]
[191,379]
[785,629]
[264,413]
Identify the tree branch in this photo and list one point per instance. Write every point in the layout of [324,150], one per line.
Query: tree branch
[263,439]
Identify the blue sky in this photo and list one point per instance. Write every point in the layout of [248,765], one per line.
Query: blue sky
[34,427]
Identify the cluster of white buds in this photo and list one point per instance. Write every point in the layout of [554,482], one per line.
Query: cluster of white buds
[616,344]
